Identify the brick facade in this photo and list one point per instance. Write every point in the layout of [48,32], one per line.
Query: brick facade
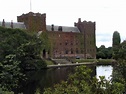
[78,41]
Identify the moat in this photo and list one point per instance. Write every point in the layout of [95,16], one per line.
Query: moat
[48,77]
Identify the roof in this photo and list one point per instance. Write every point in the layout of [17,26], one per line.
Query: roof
[19,25]
[64,28]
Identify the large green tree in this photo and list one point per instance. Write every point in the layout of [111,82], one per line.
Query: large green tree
[19,51]
[119,71]
[104,53]
[115,43]
[116,39]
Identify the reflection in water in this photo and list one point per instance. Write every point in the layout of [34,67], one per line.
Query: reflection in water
[104,71]
[38,80]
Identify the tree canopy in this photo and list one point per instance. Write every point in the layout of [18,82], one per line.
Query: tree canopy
[116,39]
[19,51]
[104,53]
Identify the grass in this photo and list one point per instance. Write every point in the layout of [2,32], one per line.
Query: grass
[105,61]
[84,60]
[49,62]
[99,61]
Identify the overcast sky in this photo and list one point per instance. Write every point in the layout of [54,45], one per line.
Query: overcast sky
[109,15]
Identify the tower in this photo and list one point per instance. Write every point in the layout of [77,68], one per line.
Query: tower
[88,31]
[33,21]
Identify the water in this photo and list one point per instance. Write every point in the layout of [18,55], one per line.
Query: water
[47,78]
[104,71]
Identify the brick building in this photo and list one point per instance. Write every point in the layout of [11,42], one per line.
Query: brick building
[78,41]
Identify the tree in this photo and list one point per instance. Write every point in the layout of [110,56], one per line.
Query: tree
[81,82]
[119,72]
[104,53]
[19,50]
[115,43]
[10,73]
[29,55]
[116,39]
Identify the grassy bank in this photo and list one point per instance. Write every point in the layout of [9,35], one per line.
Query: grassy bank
[99,61]
[49,62]
[83,60]
[105,61]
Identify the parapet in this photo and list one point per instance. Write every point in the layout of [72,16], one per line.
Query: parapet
[32,14]
[84,22]
[88,22]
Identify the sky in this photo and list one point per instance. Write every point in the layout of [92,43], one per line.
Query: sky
[109,15]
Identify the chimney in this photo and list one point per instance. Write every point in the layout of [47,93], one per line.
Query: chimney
[3,23]
[75,24]
[52,27]
[11,23]
[79,20]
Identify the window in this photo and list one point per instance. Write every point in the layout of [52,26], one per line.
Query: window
[60,43]
[76,42]
[71,43]
[71,51]
[77,50]
[66,52]
[66,43]
[82,51]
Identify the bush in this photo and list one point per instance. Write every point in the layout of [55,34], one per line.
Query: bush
[81,82]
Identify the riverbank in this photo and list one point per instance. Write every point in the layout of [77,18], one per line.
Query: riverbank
[106,61]
[78,62]
[72,64]
[98,61]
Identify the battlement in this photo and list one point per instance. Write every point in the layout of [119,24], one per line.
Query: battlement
[33,14]
[33,21]
[84,22]
[88,22]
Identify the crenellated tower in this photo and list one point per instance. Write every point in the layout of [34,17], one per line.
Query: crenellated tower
[87,28]
[33,21]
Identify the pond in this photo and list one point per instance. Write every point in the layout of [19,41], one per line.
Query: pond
[104,71]
[48,77]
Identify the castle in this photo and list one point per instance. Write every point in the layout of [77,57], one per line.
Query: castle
[77,42]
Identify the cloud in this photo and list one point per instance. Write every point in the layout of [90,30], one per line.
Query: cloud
[103,39]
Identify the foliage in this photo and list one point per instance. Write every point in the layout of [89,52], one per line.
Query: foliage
[119,71]
[5,92]
[121,53]
[29,54]
[81,82]
[104,53]
[19,51]
[116,39]
[105,61]
[10,75]
[83,60]
[49,62]
[116,42]
[46,43]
